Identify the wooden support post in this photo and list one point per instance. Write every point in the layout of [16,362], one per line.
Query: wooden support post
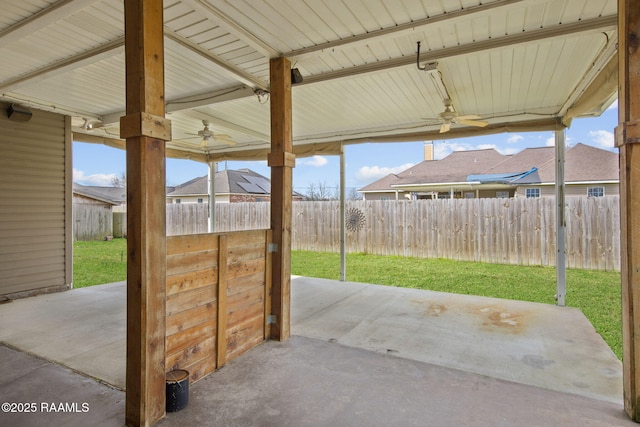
[628,140]
[282,161]
[145,130]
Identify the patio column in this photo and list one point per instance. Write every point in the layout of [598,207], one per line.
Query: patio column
[146,131]
[282,161]
[343,229]
[211,184]
[628,141]
[561,221]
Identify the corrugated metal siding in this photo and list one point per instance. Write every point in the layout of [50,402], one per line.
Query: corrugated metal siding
[32,203]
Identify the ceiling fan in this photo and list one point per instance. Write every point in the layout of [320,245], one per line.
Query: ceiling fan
[449,116]
[207,136]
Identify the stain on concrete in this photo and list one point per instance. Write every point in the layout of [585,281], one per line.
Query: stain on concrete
[433,309]
[496,319]
[436,310]
[536,361]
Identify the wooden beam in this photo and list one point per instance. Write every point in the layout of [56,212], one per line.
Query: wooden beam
[628,139]
[281,163]
[146,239]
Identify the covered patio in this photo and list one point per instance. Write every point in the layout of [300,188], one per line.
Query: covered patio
[360,354]
[211,80]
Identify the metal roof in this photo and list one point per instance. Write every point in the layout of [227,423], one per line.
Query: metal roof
[517,64]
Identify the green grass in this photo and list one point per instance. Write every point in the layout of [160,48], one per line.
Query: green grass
[99,262]
[596,293]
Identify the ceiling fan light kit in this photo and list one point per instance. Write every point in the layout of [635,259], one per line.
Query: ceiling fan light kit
[208,135]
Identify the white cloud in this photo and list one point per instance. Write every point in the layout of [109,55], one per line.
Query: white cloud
[603,138]
[443,150]
[487,146]
[513,139]
[509,151]
[99,179]
[551,141]
[372,173]
[316,161]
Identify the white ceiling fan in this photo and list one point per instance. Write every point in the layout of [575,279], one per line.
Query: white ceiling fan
[449,116]
[208,135]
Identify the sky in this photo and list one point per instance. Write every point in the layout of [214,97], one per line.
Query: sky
[95,164]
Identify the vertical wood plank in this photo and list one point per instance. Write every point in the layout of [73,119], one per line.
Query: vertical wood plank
[221,334]
[146,217]
[628,138]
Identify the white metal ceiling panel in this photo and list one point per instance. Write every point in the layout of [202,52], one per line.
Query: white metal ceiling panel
[505,60]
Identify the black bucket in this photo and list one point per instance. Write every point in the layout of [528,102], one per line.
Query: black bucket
[177,390]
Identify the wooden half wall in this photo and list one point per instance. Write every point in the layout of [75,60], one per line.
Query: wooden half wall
[218,298]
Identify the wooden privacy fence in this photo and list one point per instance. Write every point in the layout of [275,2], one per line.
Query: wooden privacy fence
[91,222]
[215,311]
[510,231]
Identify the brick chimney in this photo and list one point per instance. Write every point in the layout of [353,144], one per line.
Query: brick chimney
[428,151]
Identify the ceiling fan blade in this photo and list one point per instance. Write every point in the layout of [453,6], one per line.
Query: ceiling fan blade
[445,127]
[468,117]
[473,123]
[225,139]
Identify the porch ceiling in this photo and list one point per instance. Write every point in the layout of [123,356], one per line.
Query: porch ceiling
[519,64]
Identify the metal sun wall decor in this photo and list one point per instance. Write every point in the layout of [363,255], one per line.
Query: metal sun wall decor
[355,220]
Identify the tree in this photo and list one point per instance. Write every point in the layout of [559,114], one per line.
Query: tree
[352,194]
[119,180]
[321,191]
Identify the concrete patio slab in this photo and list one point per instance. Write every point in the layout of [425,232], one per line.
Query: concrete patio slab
[308,382]
[55,395]
[536,344]
[84,329]
[359,352]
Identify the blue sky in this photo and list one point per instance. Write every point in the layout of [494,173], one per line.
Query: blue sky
[96,164]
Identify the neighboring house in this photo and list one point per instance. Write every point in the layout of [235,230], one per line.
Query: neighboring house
[589,171]
[93,209]
[231,186]
[108,196]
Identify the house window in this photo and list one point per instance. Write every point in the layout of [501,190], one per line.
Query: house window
[200,200]
[502,194]
[177,201]
[469,195]
[385,198]
[595,191]
[532,192]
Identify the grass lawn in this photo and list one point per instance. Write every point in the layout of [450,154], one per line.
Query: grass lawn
[99,262]
[596,293]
